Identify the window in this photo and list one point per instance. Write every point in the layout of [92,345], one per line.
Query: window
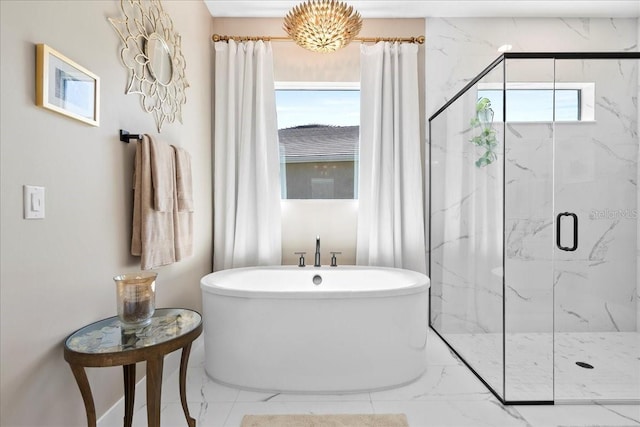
[534,102]
[318,130]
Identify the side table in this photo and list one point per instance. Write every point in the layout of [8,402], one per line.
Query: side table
[106,343]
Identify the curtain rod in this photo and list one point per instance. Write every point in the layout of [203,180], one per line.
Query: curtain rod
[221,38]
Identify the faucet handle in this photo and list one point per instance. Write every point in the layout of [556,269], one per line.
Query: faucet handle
[301,259]
[334,260]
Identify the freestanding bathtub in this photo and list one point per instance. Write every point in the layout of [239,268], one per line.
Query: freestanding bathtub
[315,330]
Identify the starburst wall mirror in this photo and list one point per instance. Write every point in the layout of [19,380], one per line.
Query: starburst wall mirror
[152,54]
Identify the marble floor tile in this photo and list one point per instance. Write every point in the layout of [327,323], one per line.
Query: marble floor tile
[454,413]
[206,414]
[199,388]
[581,415]
[247,396]
[448,394]
[439,382]
[438,353]
[542,366]
[615,357]
[255,396]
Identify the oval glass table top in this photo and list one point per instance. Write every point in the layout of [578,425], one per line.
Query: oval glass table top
[108,336]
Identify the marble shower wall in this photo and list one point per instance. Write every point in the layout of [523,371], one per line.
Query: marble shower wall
[466,223]
[466,275]
[595,177]
[597,289]
[458,49]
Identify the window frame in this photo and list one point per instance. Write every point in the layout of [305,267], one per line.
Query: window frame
[318,86]
[586,96]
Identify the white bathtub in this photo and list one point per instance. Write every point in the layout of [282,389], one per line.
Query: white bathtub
[273,329]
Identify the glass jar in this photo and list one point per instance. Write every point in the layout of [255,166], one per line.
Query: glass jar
[136,298]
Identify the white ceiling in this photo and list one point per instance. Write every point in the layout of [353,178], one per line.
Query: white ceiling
[441,8]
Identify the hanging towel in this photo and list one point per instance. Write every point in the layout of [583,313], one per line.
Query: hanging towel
[183,205]
[184,190]
[162,175]
[153,230]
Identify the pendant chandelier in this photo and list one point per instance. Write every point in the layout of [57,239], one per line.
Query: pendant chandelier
[322,25]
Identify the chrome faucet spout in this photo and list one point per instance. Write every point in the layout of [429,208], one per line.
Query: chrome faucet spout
[316,262]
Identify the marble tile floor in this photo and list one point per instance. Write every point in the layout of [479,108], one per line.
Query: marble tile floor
[530,359]
[448,394]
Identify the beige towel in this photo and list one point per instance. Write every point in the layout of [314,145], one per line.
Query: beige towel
[183,205]
[153,232]
[184,188]
[163,175]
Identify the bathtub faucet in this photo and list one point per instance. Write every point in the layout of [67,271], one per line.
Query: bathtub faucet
[316,262]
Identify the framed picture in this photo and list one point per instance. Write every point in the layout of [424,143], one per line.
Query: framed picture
[66,87]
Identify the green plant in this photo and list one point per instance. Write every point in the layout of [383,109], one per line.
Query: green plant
[487,137]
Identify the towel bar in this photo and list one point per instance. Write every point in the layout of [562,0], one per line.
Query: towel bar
[125,136]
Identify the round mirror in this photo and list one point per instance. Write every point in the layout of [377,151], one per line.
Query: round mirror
[160,64]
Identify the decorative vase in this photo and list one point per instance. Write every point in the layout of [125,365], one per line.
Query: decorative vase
[136,298]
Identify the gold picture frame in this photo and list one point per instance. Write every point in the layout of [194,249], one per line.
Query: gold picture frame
[66,87]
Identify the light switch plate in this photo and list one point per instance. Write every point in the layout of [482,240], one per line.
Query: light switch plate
[33,201]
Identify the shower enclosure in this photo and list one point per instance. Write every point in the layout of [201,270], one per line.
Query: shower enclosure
[534,227]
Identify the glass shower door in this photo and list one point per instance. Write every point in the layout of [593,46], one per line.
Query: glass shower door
[595,262]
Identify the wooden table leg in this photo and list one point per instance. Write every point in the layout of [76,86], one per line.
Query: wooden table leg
[154,389]
[184,360]
[85,390]
[129,392]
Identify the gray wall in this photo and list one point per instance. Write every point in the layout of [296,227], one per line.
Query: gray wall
[56,273]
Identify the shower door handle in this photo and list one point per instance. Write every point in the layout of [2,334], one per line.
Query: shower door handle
[559,229]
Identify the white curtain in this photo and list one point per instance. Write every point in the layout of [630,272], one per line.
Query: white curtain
[247,224]
[390,213]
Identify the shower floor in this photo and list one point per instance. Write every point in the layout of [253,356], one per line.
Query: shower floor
[530,371]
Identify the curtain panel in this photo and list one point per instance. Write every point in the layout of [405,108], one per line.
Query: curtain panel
[391,201]
[247,221]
